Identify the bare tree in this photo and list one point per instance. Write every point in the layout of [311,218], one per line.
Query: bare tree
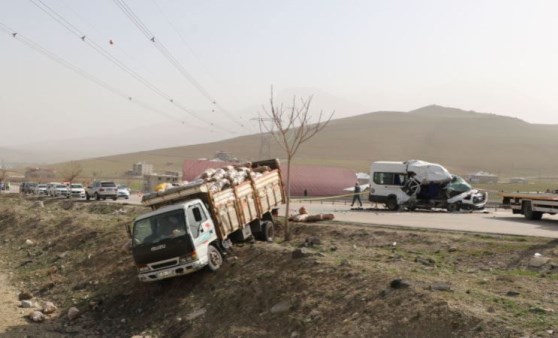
[71,171]
[291,127]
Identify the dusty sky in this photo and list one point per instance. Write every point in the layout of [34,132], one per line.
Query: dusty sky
[488,56]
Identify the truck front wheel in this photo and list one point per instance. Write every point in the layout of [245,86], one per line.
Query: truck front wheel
[215,259]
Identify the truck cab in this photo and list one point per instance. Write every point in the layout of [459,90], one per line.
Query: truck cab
[174,240]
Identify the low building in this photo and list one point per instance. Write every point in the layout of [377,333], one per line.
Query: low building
[153,180]
[141,169]
[482,177]
[40,174]
[518,180]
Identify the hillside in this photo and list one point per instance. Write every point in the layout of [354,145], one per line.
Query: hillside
[463,141]
[353,281]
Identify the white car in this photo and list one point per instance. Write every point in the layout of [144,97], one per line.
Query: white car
[51,187]
[59,190]
[76,190]
[123,191]
[40,189]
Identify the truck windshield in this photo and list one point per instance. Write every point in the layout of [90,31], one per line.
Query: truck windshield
[159,227]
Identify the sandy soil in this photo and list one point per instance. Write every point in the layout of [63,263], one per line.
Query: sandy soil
[11,315]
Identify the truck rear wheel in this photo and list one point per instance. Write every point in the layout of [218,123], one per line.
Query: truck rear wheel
[268,231]
[529,213]
[215,259]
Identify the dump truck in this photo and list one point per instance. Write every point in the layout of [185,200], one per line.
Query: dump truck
[532,205]
[194,226]
[417,184]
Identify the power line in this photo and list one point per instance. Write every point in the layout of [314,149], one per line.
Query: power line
[61,61]
[99,49]
[168,55]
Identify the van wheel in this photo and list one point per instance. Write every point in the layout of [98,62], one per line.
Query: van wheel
[215,260]
[453,207]
[391,203]
[97,197]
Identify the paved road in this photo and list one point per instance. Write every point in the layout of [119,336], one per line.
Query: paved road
[490,221]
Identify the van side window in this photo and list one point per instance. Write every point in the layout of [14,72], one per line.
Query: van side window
[389,178]
[196,217]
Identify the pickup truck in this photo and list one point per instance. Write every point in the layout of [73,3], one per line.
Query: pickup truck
[193,226]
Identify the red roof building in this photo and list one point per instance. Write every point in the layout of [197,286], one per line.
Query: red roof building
[316,180]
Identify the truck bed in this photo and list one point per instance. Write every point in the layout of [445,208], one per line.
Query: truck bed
[531,196]
[233,207]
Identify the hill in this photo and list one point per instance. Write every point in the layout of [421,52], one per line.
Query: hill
[463,141]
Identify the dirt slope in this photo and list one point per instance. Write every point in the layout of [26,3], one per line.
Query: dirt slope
[451,284]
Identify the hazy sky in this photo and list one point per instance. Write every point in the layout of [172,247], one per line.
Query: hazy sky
[487,56]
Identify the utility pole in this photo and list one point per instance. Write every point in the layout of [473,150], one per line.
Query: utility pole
[265,143]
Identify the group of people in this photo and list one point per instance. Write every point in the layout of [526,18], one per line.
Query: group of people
[4,186]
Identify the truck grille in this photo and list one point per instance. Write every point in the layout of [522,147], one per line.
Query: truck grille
[164,265]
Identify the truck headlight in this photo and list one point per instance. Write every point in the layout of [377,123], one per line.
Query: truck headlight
[143,268]
[187,259]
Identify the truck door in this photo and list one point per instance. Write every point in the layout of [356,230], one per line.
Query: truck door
[201,227]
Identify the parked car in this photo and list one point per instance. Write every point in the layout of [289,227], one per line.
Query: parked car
[40,189]
[123,192]
[75,190]
[101,190]
[30,187]
[60,190]
[51,187]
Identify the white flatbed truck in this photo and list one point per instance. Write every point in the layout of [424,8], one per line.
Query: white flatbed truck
[532,205]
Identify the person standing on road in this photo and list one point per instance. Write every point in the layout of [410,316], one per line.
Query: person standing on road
[356,195]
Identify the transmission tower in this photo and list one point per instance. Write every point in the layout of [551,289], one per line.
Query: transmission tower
[265,138]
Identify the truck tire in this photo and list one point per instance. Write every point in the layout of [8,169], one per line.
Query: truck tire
[268,231]
[87,197]
[391,203]
[215,259]
[97,197]
[529,213]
